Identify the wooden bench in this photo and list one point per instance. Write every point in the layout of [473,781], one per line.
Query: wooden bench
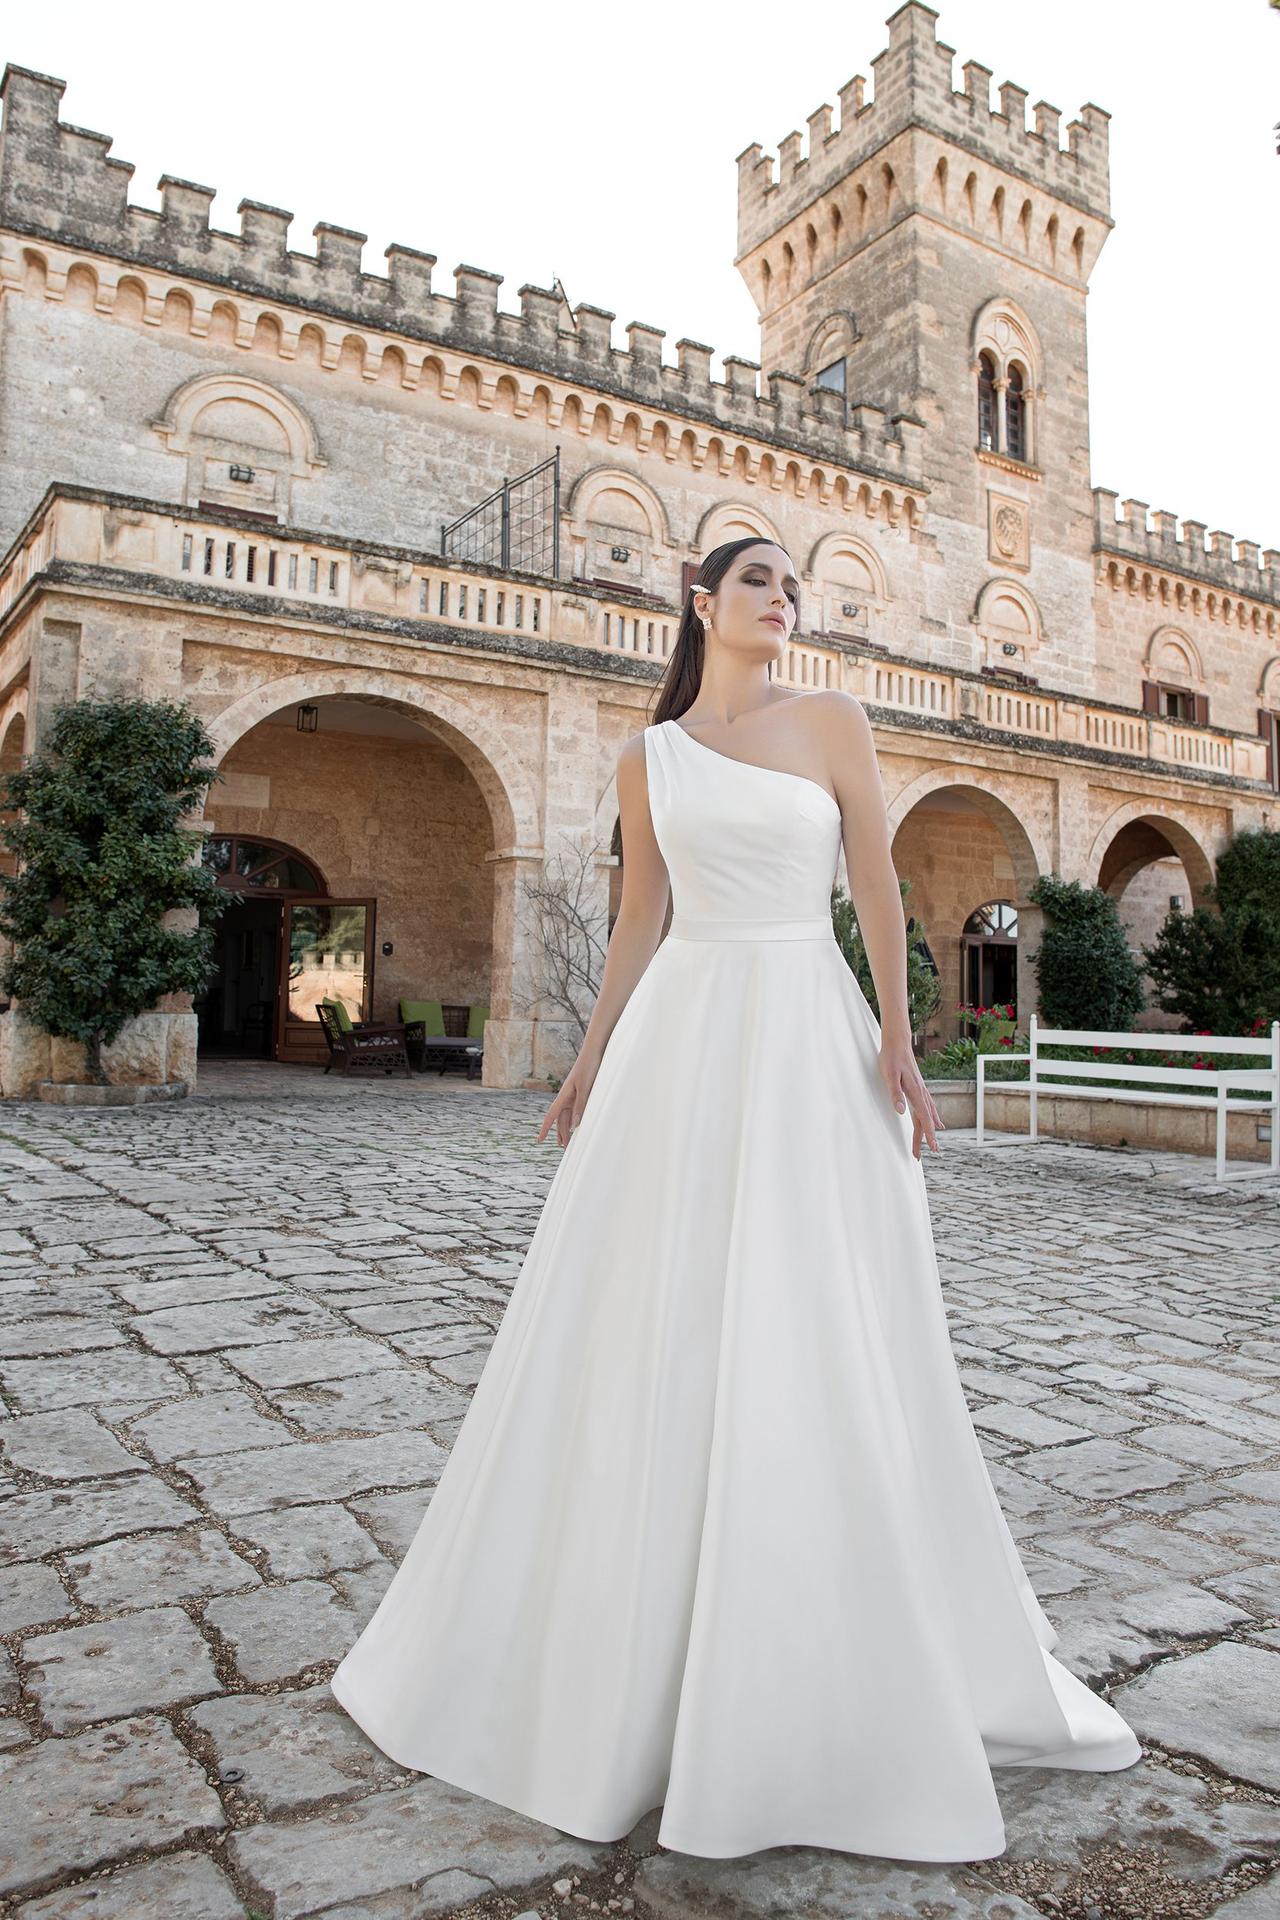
[1051,1076]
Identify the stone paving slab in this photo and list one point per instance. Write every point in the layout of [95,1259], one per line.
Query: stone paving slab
[185,1886]
[222,1420]
[1222,1704]
[122,1665]
[820,1886]
[448,1845]
[79,1803]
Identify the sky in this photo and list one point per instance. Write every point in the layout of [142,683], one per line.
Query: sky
[599,144]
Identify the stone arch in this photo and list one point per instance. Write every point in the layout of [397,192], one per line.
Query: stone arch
[504,841]
[177,310]
[610,508]
[1173,655]
[731,520]
[13,733]
[1007,614]
[832,339]
[847,580]
[225,420]
[494,763]
[1269,683]
[129,299]
[996,852]
[1146,863]
[81,287]
[1111,869]
[1029,854]
[189,402]
[870,574]
[13,749]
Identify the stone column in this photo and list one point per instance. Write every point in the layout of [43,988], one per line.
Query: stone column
[528,1038]
[509,1030]
[1002,425]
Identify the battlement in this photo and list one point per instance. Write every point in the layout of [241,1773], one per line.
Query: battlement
[1237,565]
[59,183]
[913,87]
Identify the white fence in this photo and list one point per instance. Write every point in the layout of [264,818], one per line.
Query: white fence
[1052,1076]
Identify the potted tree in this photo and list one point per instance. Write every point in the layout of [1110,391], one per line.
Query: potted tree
[109,910]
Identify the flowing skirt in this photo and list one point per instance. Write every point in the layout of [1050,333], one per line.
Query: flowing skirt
[716,1533]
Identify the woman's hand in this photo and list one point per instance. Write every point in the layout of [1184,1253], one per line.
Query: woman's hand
[906,1086]
[566,1109]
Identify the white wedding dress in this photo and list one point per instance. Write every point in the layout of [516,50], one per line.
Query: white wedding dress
[716,1533]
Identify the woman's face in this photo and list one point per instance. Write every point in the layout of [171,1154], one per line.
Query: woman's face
[756,606]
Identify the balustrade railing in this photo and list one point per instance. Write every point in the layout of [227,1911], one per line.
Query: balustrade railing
[259,561]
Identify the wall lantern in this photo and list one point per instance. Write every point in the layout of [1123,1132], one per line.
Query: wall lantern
[308,718]
[241,473]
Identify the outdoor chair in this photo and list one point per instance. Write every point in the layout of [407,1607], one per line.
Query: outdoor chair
[436,1033]
[360,1045]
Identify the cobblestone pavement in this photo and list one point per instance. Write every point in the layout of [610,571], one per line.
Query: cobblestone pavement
[237,1341]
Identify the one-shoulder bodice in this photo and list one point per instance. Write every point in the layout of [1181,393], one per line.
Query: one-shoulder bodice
[742,843]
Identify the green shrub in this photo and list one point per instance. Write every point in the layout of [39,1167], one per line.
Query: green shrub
[1085,973]
[1219,966]
[101,858]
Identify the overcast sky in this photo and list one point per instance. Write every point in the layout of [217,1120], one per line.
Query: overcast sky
[599,143]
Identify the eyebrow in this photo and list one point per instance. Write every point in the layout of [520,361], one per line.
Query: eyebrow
[786,578]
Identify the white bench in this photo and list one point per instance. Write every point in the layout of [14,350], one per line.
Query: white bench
[1050,1076]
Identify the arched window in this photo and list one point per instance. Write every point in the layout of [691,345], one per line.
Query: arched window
[989,957]
[1009,366]
[826,355]
[987,402]
[252,865]
[1015,414]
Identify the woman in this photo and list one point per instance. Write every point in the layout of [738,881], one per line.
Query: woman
[716,1531]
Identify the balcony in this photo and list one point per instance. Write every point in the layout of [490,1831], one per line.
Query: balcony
[78,534]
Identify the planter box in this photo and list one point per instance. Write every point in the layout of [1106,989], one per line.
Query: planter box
[77,1093]
[956,1101]
[156,1049]
[1102,1123]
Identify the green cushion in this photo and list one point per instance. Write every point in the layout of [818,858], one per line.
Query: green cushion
[340,1014]
[476,1017]
[429,1012]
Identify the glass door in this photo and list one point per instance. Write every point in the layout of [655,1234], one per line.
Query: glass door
[326,954]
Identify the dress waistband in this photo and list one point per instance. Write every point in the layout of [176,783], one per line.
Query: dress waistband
[684,927]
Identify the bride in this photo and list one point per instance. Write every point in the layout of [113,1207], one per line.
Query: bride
[716,1533]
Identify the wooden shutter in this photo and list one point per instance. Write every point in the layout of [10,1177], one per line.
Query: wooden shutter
[1200,709]
[1268,728]
[687,570]
[1150,697]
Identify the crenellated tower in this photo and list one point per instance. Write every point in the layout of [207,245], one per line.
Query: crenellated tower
[932,254]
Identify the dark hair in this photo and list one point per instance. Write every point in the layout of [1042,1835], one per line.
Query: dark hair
[679,685]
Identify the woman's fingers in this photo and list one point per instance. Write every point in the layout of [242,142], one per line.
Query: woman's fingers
[925,1114]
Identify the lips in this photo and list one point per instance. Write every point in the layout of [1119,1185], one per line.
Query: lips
[774,619]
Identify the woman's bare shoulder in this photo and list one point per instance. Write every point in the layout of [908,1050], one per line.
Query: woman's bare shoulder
[633,768]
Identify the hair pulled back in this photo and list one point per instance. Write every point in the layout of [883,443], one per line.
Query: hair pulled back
[679,685]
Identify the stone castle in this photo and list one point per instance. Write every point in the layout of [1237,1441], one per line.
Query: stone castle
[417,560]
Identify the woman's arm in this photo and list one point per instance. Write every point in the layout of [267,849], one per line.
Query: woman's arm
[632,943]
[877,901]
